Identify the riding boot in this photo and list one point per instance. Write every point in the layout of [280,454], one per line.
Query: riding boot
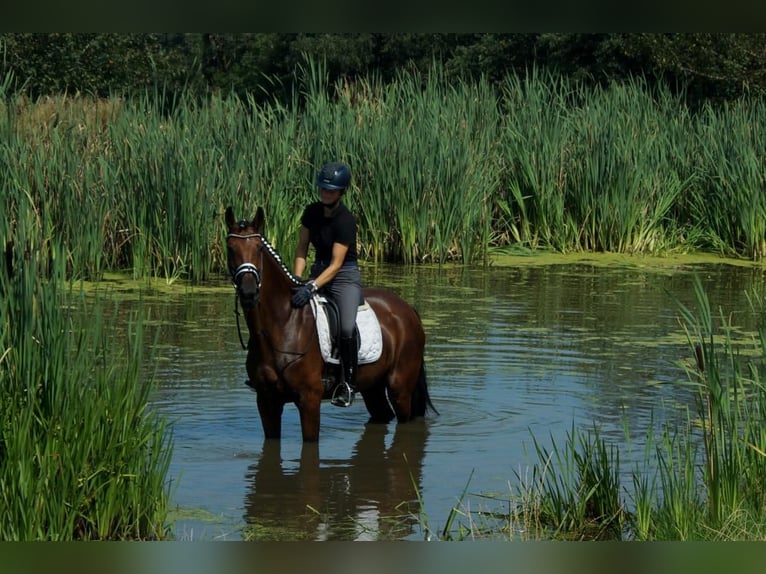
[343,395]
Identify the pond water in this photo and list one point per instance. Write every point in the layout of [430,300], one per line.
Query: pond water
[513,352]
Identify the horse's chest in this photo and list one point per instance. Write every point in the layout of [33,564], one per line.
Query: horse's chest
[260,370]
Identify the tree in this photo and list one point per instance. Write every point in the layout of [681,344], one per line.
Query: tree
[712,66]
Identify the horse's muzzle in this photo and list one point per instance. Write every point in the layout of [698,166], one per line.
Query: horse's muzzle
[248,298]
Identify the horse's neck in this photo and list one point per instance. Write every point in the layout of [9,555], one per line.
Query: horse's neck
[278,283]
[277,273]
[274,318]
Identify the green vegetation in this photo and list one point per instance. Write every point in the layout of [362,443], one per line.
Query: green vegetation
[81,455]
[442,171]
[702,66]
[445,169]
[701,480]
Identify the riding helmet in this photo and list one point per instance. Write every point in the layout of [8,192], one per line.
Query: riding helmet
[333,175]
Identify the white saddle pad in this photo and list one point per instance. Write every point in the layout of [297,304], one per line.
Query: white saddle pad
[371,344]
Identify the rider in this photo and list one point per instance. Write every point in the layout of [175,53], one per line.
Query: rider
[331,228]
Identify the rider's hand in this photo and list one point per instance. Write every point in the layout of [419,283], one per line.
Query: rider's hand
[302,294]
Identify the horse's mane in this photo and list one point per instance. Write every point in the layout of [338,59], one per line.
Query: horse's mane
[278,260]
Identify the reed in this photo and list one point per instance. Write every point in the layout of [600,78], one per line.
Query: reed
[536,142]
[702,477]
[591,169]
[444,170]
[575,491]
[623,184]
[81,454]
[731,399]
[732,191]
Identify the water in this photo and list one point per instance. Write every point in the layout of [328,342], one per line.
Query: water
[512,353]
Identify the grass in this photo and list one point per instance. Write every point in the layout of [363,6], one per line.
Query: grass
[442,170]
[702,478]
[81,455]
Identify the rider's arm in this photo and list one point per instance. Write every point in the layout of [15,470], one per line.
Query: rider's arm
[338,257]
[299,266]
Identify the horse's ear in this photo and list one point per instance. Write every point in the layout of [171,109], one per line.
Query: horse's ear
[260,220]
[230,217]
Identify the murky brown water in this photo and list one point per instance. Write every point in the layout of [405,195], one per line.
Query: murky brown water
[513,352]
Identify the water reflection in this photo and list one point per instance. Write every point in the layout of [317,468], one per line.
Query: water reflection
[369,496]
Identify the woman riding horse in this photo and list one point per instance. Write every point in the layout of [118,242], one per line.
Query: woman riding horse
[331,228]
[284,359]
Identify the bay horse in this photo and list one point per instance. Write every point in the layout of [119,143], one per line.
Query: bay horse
[284,360]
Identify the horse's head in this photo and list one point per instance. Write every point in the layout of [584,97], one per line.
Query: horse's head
[243,252]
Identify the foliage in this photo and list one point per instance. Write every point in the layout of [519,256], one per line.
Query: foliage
[81,455]
[98,64]
[702,478]
[704,66]
[443,169]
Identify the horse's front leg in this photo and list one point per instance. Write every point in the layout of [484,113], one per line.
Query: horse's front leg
[309,405]
[270,409]
[270,404]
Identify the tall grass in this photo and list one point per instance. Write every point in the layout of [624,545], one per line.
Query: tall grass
[731,405]
[591,169]
[442,170]
[81,455]
[536,145]
[623,180]
[582,488]
[702,478]
[732,191]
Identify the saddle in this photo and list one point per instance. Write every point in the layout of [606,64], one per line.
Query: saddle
[368,334]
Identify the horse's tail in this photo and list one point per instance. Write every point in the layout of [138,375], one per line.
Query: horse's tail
[421,400]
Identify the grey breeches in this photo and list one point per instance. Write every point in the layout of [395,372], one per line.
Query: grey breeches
[346,291]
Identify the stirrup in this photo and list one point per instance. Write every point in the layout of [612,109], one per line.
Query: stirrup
[342,396]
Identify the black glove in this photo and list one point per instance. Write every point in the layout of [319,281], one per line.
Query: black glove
[302,294]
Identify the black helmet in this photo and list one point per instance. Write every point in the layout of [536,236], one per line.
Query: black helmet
[333,175]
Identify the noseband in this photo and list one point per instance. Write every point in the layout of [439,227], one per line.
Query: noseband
[237,274]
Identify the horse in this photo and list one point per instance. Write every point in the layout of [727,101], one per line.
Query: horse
[284,360]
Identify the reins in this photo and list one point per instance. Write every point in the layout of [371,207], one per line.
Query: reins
[236,314]
[298,354]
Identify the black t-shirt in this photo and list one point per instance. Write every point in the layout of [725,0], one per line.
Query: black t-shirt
[340,227]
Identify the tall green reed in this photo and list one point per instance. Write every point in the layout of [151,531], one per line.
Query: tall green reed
[576,490]
[731,198]
[81,454]
[442,170]
[536,142]
[731,405]
[623,182]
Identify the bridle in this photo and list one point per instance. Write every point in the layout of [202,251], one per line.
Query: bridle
[236,279]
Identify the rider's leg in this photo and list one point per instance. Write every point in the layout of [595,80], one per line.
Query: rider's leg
[347,291]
